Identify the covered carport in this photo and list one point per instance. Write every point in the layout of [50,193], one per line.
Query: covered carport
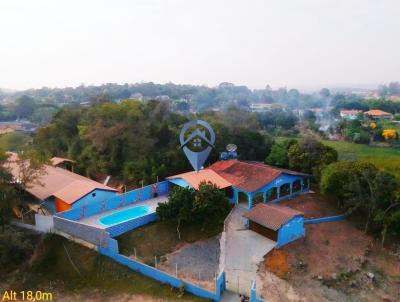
[278,223]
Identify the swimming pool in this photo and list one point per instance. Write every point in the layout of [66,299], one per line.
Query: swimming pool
[124,215]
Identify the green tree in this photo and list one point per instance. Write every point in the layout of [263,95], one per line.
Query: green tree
[7,192]
[24,106]
[207,206]
[279,153]
[14,141]
[336,176]
[43,115]
[210,205]
[15,248]
[362,188]
[179,207]
[389,218]
[369,191]
[310,156]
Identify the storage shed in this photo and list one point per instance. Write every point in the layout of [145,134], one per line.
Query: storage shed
[278,223]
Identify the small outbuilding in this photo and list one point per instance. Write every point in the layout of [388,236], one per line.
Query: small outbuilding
[278,223]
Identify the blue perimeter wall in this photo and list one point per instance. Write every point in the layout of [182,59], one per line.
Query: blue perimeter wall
[117,201]
[325,219]
[129,225]
[253,293]
[163,277]
[291,231]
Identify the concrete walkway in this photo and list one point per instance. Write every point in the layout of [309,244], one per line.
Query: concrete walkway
[244,250]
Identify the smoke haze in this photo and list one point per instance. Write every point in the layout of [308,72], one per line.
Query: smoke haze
[293,43]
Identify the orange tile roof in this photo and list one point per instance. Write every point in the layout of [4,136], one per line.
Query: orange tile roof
[248,175]
[271,216]
[377,112]
[67,185]
[58,160]
[77,189]
[195,178]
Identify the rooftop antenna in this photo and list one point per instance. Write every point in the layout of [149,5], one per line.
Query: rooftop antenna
[231,154]
[231,147]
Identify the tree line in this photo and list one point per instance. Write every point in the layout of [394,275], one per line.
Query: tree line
[137,142]
[359,188]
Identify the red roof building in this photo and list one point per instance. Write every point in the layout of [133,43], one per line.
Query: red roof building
[247,180]
[378,114]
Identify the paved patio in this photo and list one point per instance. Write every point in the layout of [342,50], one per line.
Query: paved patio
[244,250]
[151,203]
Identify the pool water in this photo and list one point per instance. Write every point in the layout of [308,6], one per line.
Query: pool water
[124,215]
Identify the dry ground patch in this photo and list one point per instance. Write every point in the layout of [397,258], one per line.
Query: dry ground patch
[334,262]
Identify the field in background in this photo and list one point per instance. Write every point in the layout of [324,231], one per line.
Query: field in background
[384,158]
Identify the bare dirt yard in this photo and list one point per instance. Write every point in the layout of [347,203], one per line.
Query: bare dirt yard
[334,262]
[196,262]
[313,205]
[196,253]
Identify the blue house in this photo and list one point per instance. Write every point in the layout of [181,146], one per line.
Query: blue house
[248,182]
[57,189]
[278,223]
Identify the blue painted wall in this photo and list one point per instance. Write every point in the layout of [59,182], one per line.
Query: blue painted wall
[132,224]
[116,201]
[325,219]
[292,230]
[253,293]
[279,181]
[164,277]
[101,195]
[180,182]
[50,205]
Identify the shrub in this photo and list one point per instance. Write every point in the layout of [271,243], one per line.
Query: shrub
[361,137]
[14,248]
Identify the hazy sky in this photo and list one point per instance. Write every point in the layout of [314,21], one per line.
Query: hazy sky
[293,43]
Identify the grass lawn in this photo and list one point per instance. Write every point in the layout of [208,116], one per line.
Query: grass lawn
[160,238]
[50,265]
[384,158]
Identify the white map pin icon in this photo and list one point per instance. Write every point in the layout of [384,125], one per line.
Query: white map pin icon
[197,137]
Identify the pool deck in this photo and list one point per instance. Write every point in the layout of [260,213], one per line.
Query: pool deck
[151,203]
